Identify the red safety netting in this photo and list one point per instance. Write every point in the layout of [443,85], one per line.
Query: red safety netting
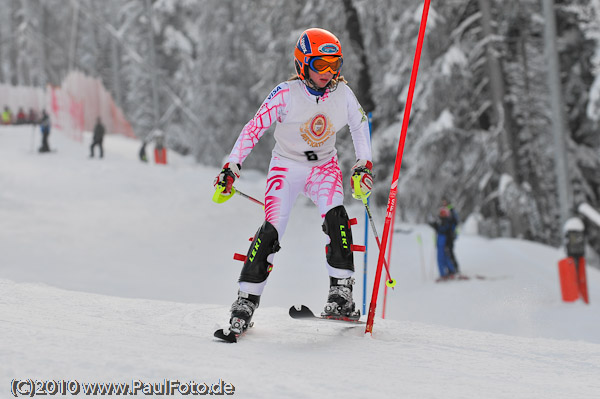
[73,107]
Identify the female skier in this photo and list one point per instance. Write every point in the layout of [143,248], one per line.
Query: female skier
[309,109]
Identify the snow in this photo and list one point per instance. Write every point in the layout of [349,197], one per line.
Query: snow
[589,212]
[117,271]
[573,224]
[444,122]
[453,57]
[593,107]
[505,181]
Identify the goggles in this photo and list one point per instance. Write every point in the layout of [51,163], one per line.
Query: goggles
[327,63]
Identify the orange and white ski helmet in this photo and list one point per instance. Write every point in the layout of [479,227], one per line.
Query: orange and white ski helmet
[315,42]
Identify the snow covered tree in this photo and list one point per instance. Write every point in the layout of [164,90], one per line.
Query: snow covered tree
[216,61]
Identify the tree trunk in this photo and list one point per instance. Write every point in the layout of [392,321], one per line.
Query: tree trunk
[1,55]
[559,126]
[155,105]
[499,113]
[73,37]
[43,77]
[13,47]
[114,65]
[363,88]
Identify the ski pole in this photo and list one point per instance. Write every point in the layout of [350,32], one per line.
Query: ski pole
[249,197]
[356,179]
[32,138]
[219,197]
[421,257]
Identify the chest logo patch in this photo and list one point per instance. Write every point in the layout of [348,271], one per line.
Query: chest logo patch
[317,130]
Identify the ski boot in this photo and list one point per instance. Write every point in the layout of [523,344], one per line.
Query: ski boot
[241,312]
[339,302]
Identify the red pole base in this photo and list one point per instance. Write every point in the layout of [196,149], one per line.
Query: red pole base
[573,280]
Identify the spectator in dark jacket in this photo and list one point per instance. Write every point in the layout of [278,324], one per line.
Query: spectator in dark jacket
[99,131]
[454,221]
[142,153]
[45,129]
[21,119]
[32,117]
[444,229]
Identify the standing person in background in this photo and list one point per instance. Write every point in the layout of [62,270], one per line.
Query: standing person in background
[142,153]
[160,151]
[452,237]
[6,116]
[45,129]
[21,119]
[443,229]
[309,109]
[32,117]
[99,131]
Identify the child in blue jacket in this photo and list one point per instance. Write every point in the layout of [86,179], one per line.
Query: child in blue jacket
[444,228]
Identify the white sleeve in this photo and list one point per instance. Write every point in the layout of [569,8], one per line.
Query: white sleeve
[359,126]
[273,108]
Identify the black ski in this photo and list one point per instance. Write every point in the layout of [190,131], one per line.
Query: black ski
[303,312]
[226,335]
[453,277]
[469,277]
[229,336]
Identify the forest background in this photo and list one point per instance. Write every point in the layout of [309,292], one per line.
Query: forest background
[481,124]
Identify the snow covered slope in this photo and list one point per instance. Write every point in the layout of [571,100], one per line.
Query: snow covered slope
[117,271]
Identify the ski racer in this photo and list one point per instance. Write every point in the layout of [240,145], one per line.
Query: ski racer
[309,109]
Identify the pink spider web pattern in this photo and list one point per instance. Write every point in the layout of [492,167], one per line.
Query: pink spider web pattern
[325,180]
[255,128]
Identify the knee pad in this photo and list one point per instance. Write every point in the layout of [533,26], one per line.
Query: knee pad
[339,250]
[256,268]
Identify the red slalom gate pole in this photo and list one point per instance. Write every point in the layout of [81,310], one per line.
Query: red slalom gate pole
[391,206]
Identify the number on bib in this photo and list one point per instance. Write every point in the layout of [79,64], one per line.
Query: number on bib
[311,156]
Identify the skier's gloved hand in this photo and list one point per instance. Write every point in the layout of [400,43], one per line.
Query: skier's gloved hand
[362,171]
[229,173]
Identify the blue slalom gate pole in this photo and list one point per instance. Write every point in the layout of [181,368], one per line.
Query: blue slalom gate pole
[364,308]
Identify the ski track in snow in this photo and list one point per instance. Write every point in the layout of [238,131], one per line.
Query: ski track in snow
[113,270]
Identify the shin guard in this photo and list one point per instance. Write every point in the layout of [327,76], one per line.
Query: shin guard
[339,250]
[256,268]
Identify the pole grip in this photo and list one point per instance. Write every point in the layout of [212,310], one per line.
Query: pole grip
[219,197]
